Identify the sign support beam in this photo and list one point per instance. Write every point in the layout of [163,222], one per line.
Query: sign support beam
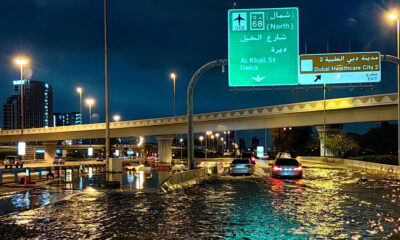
[190,93]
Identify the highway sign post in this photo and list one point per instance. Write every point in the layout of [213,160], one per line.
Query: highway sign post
[263,47]
[340,68]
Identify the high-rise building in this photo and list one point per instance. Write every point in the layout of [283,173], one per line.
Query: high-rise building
[65,119]
[255,141]
[38,105]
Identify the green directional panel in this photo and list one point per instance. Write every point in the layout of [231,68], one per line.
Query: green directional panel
[263,47]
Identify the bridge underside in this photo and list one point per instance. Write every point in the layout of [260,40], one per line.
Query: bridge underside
[279,120]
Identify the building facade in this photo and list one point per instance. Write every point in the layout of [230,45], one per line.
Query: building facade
[65,119]
[37,109]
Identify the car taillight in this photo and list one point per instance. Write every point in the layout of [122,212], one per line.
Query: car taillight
[253,159]
[299,168]
[276,169]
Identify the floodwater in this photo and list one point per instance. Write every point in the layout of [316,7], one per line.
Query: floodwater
[327,203]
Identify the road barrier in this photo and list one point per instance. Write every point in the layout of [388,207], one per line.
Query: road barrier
[355,164]
[186,178]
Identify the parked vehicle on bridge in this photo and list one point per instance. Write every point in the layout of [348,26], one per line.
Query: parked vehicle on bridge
[241,166]
[100,159]
[287,167]
[11,161]
[59,160]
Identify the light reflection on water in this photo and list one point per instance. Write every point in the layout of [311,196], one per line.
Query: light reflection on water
[333,204]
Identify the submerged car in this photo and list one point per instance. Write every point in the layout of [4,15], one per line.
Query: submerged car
[11,161]
[287,167]
[241,166]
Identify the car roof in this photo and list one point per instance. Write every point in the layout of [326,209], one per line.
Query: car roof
[288,161]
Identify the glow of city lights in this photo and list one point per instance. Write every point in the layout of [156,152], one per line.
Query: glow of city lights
[217,135]
[181,140]
[173,76]
[201,138]
[79,89]
[208,133]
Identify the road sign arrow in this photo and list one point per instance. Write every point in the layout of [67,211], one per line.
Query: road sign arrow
[318,78]
[258,78]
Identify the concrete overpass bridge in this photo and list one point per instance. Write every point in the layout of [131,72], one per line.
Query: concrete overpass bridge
[371,108]
[341,110]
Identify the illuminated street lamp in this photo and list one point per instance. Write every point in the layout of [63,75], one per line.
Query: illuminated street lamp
[90,102]
[393,16]
[181,141]
[208,133]
[201,138]
[117,118]
[21,62]
[21,145]
[80,90]
[173,77]
[216,138]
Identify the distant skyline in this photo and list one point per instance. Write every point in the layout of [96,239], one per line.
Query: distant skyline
[150,39]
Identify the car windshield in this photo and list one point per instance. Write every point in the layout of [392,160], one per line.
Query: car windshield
[10,158]
[240,161]
[286,161]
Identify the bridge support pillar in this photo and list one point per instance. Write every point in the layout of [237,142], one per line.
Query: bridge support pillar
[50,151]
[331,130]
[164,143]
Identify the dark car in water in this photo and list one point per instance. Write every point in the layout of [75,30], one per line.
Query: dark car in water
[287,167]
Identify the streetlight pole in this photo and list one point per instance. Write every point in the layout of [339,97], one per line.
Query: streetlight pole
[79,90]
[201,138]
[21,63]
[106,88]
[90,102]
[395,17]
[181,141]
[173,77]
[398,90]
[324,121]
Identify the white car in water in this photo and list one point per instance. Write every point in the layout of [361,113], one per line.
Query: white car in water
[241,166]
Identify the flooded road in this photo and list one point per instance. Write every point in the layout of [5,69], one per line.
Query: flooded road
[327,203]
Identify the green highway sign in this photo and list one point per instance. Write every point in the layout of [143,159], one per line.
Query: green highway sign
[263,47]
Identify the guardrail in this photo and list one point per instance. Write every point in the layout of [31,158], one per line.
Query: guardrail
[182,179]
[355,164]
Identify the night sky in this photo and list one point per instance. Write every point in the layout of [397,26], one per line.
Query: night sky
[150,39]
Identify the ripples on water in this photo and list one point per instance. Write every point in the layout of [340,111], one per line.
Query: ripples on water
[330,204]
